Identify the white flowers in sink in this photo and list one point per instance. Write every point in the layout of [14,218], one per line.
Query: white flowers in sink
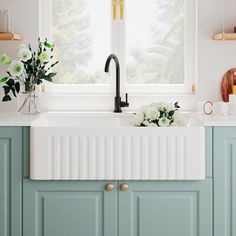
[159,115]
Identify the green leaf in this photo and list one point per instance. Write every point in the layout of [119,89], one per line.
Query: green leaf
[6,98]
[39,81]
[177,105]
[10,82]
[54,64]
[13,91]
[6,89]
[48,78]
[17,87]
[48,45]
[52,74]
[3,80]
[41,74]
[171,113]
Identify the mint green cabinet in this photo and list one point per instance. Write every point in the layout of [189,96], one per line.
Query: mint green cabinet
[69,208]
[162,208]
[11,141]
[86,208]
[225,181]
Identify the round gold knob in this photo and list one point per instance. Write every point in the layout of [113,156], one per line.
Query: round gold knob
[124,187]
[109,187]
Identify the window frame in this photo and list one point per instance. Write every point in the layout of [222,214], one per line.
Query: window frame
[117,42]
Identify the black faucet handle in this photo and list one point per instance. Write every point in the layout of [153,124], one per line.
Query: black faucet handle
[126,103]
[126,99]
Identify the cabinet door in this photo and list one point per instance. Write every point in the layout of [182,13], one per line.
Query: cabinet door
[224,181]
[162,208]
[69,208]
[10,181]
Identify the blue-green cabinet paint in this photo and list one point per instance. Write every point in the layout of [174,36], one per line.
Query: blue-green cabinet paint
[165,208]
[69,208]
[225,181]
[11,142]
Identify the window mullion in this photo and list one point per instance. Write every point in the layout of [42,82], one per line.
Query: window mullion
[121,47]
[114,43]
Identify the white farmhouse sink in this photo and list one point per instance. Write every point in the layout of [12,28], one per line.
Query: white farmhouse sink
[98,146]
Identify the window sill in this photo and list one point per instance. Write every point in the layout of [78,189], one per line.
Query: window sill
[105,102]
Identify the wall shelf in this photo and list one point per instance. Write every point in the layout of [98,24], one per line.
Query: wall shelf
[225,36]
[10,36]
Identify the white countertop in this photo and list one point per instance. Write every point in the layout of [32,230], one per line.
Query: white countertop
[14,119]
[219,120]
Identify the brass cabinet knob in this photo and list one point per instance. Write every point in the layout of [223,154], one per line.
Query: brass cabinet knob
[124,187]
[109,187]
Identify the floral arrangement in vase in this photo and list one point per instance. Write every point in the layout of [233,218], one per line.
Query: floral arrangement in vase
[29,71]
[159,115]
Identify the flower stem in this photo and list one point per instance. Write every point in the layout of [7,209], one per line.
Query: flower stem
[24,103]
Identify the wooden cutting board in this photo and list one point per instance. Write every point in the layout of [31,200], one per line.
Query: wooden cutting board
[228,81]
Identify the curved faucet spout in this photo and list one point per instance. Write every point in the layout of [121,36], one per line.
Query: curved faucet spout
[118,102]
[117,63]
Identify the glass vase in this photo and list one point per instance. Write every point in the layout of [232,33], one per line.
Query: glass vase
[29,102]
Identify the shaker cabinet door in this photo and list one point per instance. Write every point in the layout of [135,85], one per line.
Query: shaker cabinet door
[224,181]
[10,181]
[164,208]
[69,208]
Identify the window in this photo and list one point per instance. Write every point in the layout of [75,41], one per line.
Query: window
[155,41]
[155,47]
[82,35]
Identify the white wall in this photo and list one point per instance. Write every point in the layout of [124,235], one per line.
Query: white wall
[214,58]
[24,19]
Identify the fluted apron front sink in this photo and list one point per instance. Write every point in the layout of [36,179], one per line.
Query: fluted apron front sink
[99,146]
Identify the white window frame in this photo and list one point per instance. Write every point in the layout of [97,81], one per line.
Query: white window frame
[46,32]
[190,59]
[118,26]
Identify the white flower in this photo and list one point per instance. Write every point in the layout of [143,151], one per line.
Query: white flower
[146,123]
[166,107]
[182,123]
[24,54]
[152,114]
[4,59]
[139,118]
[179,119]
[164,122]
[174,124]
[177,115]
[170,107]
[45,56]
[162,107]
[16,68]
[152,125]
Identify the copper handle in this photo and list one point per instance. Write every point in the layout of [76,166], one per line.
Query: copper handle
[109,187]
[124,187]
